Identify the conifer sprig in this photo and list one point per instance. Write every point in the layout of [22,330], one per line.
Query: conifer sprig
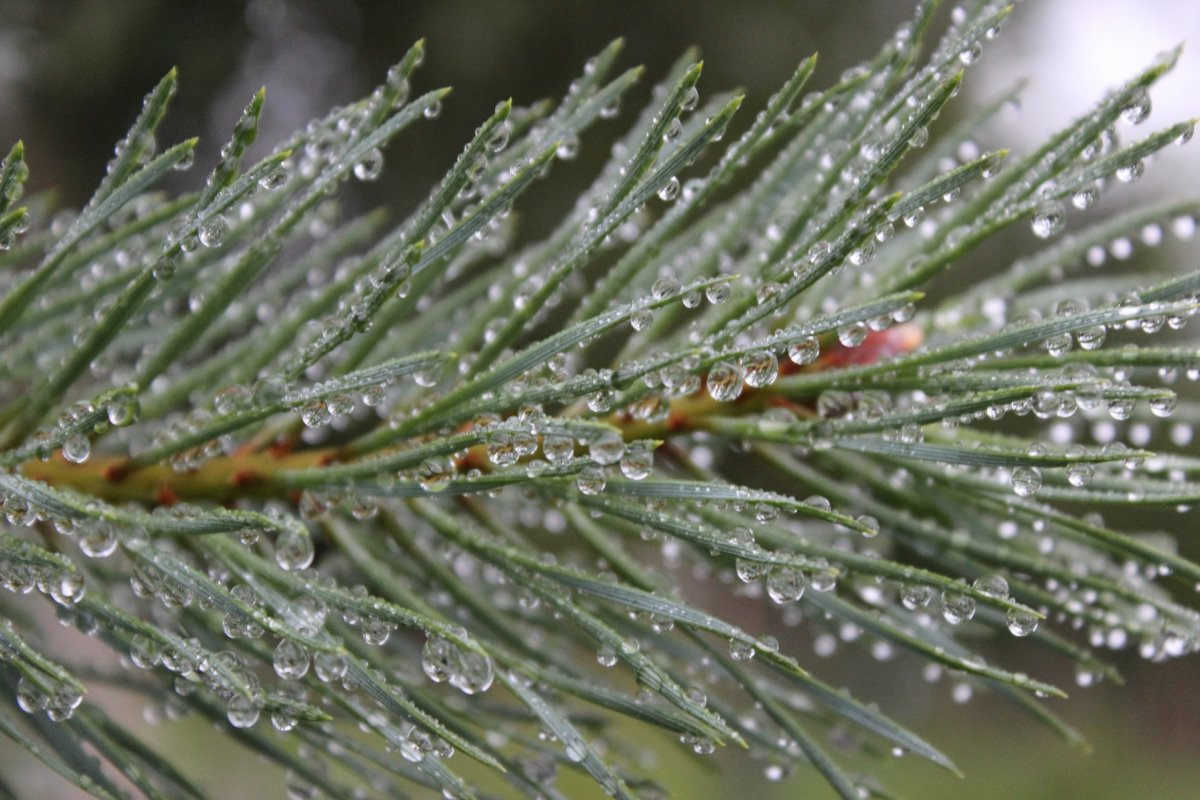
[340,462]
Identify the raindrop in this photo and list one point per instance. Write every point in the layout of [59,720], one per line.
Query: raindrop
[664,287]
[1021,623]
[1058,345]
[435,474]
[914,596]
[294,549]
[1090,338]
[1048,220]
[1162,407]
[637,463]
[1085,197]
[669,190]
[760,368]
[607,449]
[852,335]
[590,480]
[804,351]
[1080,473]
[785,585]
[568,148]
[1026,481]
[824,580]
[741,650]
[606,656]
[1138,107]
[241,711]
[957,607]
[371,165]
[274,179]
[290,660]
[992,585]
[76,449]
[214,232]
[870,525]
[724,382]
[1128,173]
[717,293]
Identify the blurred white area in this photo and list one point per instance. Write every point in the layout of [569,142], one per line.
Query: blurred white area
[1073,51]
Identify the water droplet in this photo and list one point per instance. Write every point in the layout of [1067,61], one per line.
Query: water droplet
[669,190]
[1048,220]
[1080,473]
[315,413]
[717,293]
[371,165]
[186,161]
[672,131]
[992,585]
[76,449]
[1085,197]
[640,320]
[1128,173]
[852,335]
[819,502]
[870,525]
[290,660]
[468,671]
[1021,623]
[637,462]
[1091,338]
[329,666]
[99,540]
[824,579]
[664,287]
[760,368]
[957,607]
[1085,676]
[1120,408]
[1026,481]
[274,179]
[433,110]
[375,631]
[214,232]
[740,650]
[724,382]
[1058,345]
[1163,407]
[30,698]
[294,549]
[241,711]
[434,474]
[785,584]
[606,449]
[690,99]
[804,351]
[590,480]
[1138,107]
[606,656]
[568,148]
[915,595]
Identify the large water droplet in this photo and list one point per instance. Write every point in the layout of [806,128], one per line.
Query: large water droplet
[957,607]
[1021,623]
[1048,220]
[724,382]
[1026,481]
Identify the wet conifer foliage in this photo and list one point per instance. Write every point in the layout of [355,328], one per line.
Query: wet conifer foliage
[409,502]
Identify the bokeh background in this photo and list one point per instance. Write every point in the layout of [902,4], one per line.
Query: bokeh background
[72,75]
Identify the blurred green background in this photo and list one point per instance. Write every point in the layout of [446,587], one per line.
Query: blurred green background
[72,75]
